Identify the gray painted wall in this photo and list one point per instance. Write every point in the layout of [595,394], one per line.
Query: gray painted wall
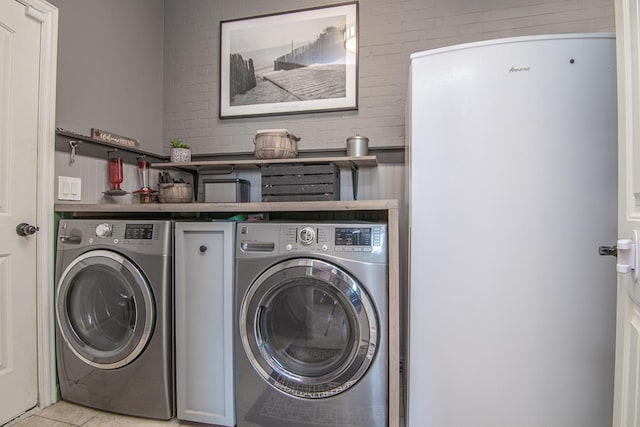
[390,30]
[149,69]
[110,68]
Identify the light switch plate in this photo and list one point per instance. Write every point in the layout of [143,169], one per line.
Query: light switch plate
[69,188]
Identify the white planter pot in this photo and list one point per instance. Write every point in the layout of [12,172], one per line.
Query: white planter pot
[180,155]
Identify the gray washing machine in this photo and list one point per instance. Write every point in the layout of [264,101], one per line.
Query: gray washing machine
[114,339]
[312,334]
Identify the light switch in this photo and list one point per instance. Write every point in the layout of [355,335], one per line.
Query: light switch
[75,190]
[69,188]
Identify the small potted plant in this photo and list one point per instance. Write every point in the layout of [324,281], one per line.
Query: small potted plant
[180,152]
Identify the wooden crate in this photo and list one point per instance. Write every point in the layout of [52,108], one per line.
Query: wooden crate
[300,182]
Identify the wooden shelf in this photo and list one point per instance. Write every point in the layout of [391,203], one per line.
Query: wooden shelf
[96,148]
[323,206]
[201,166]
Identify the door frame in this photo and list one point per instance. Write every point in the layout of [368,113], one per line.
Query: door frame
[48,14]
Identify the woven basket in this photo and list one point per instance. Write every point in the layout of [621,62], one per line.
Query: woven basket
[175,193]
[275,144]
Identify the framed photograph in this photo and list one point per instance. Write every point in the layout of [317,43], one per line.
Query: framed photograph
[287,63]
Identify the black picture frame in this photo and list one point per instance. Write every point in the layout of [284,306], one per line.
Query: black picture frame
[288,63]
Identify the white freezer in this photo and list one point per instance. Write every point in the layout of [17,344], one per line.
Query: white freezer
[512,181]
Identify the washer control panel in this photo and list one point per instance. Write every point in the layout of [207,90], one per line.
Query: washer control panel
[127,231]
[138,231]
[152,236]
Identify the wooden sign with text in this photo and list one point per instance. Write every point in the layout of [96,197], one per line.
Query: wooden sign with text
[103,135]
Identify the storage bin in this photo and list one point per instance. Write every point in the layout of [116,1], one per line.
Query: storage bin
[300,182]
[226,190]
[175,193]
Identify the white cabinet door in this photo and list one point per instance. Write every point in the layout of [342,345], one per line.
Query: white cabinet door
[627,376]
[204,281]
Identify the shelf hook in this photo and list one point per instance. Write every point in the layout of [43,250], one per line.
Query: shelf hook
[73,145]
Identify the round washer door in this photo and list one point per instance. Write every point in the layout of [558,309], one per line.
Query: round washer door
[308,328]
[105,309]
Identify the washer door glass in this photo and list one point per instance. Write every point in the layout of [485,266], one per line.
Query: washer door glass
[308,328]
[105,309]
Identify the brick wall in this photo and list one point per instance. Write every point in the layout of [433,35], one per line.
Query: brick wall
[390,31]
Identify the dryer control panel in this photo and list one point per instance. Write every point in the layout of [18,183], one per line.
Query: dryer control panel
[362,236]
[362,241]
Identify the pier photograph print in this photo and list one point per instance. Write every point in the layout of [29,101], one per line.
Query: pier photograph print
[294,62]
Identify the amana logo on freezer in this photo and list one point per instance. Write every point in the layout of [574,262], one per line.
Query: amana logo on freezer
[514,69]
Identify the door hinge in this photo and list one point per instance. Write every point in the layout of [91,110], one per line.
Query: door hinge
[626,253]
[31,11]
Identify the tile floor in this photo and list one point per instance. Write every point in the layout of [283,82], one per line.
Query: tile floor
[65,414]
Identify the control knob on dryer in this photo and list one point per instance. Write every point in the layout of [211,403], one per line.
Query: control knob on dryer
[307,235]
[103,230]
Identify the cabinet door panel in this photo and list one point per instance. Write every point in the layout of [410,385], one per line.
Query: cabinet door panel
[204,281]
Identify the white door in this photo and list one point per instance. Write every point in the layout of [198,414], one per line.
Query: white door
[19,91]
[627,376]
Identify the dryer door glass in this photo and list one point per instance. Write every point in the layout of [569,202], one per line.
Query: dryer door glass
[101,308]
[309,328]
[104,309]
